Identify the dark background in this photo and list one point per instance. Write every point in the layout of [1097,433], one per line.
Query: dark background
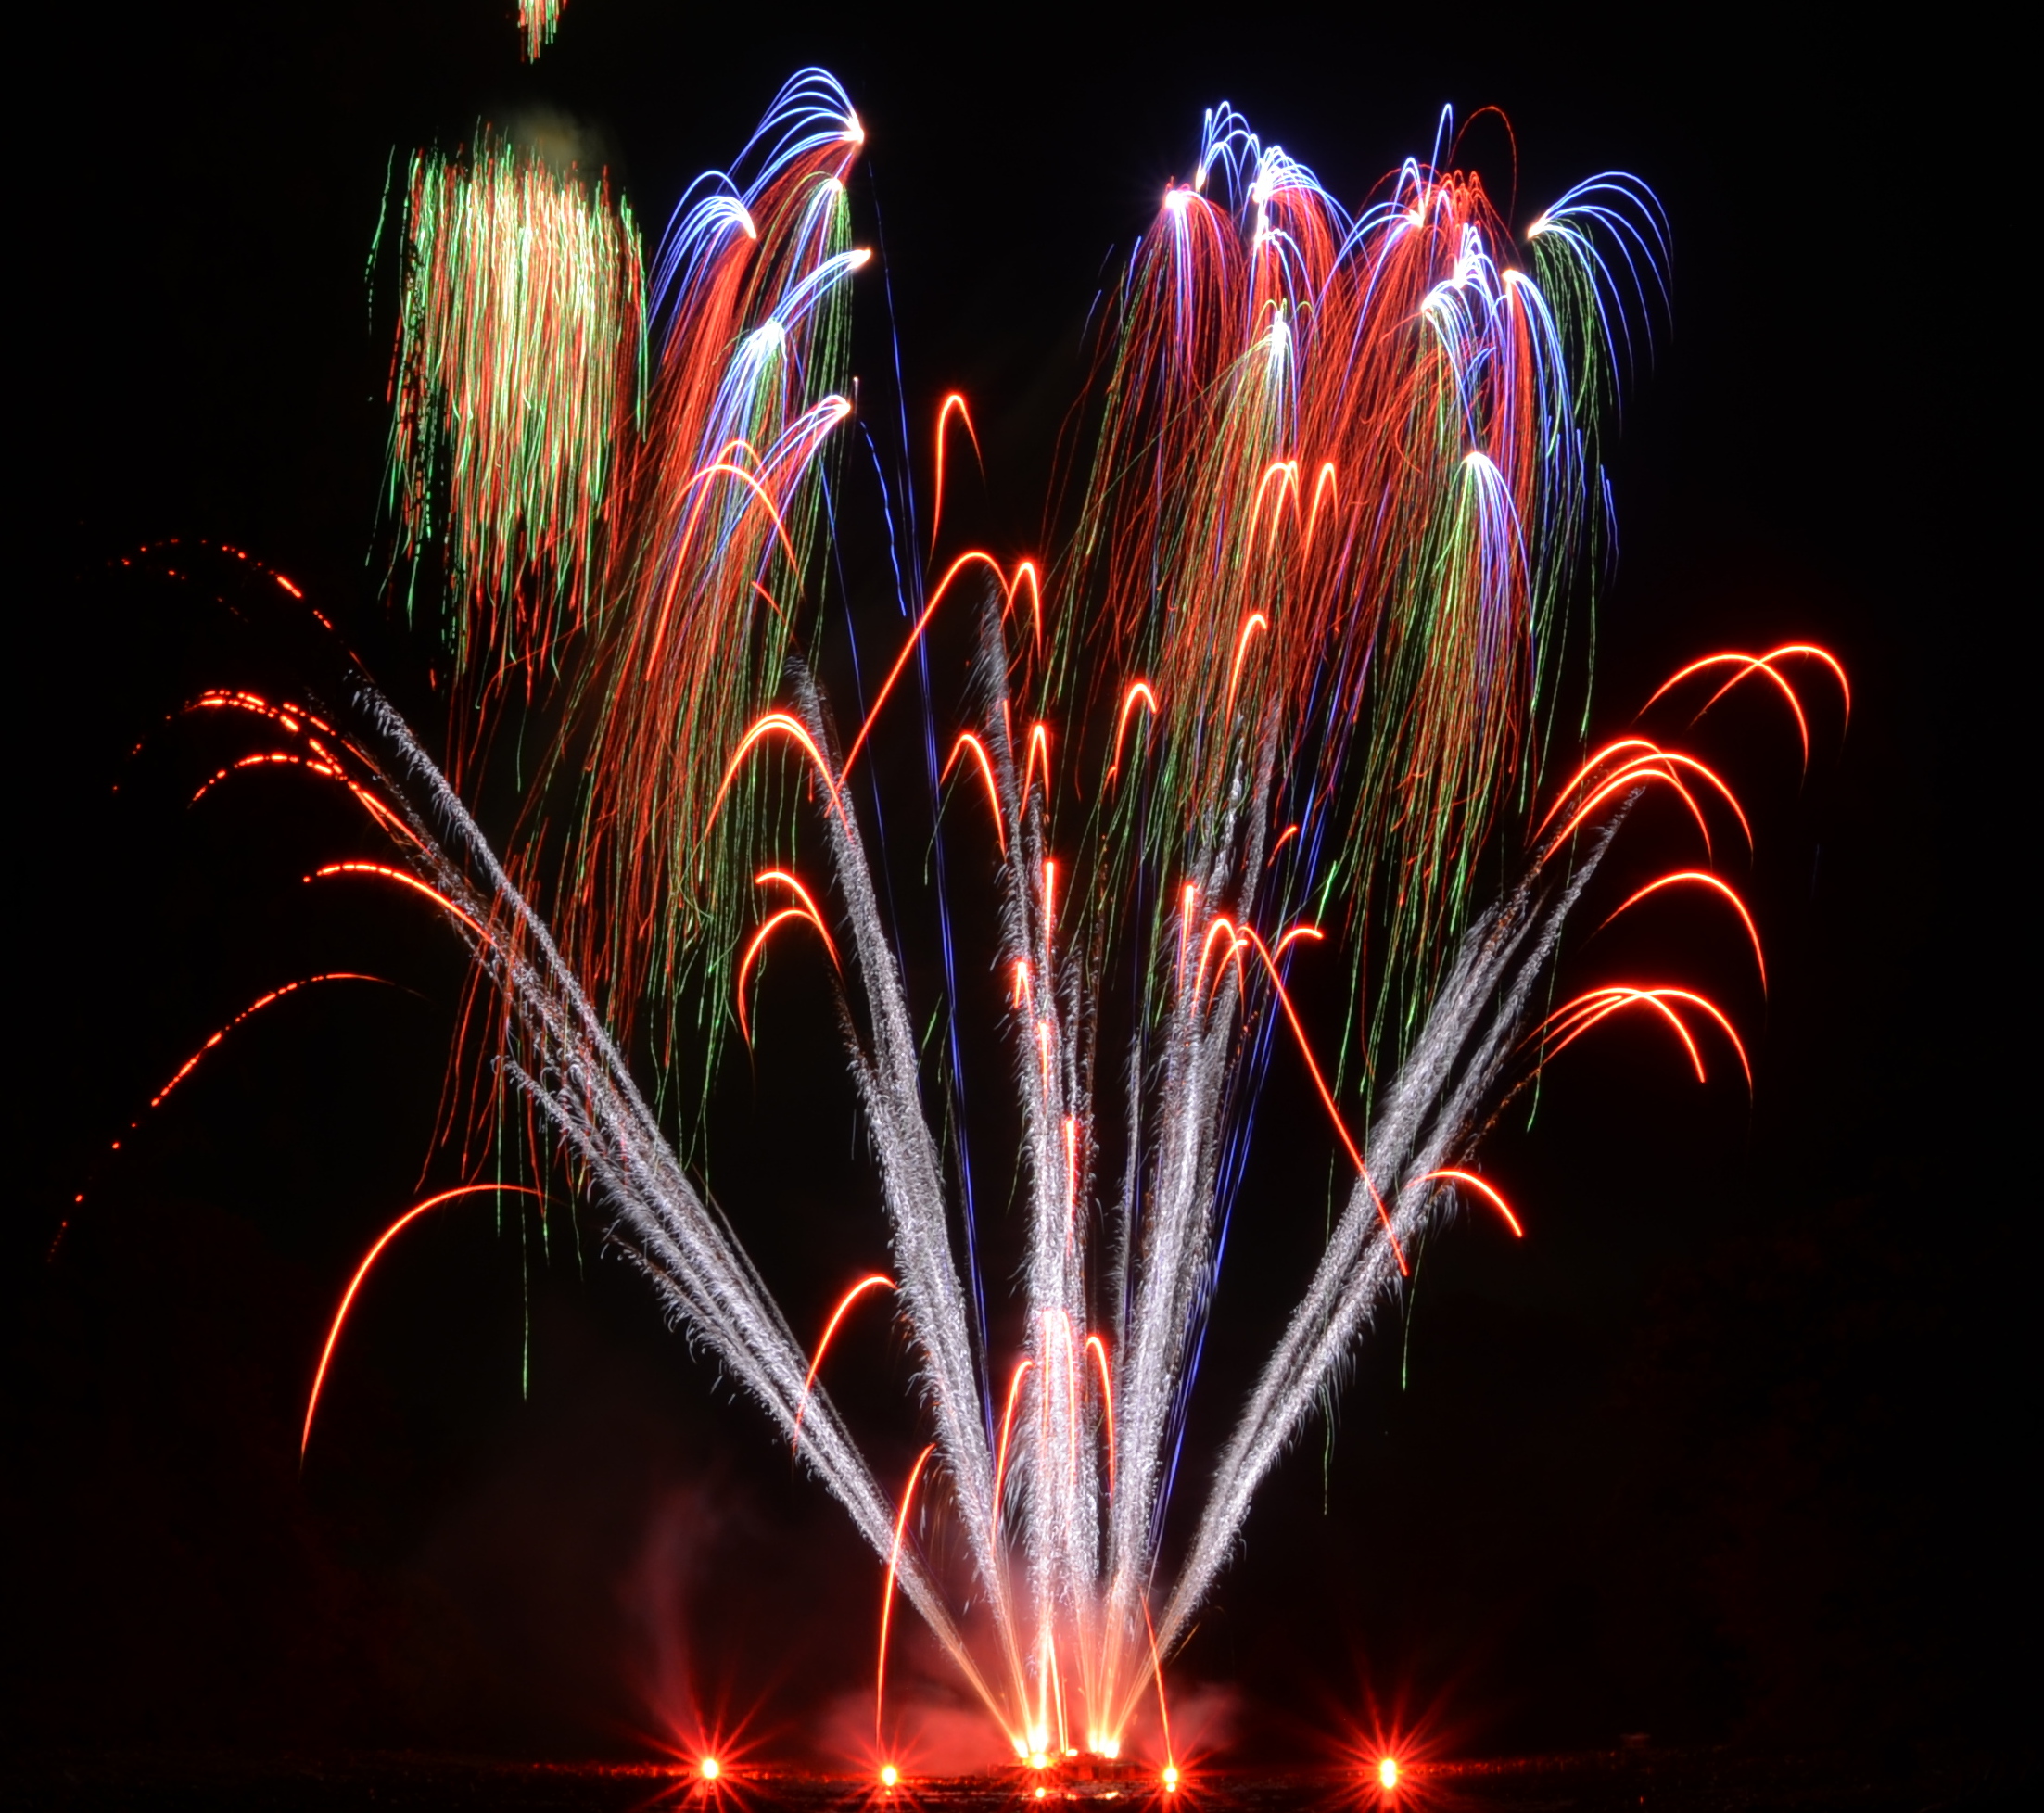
[1728,1450]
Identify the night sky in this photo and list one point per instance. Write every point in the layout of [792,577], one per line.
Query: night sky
[1727,1448]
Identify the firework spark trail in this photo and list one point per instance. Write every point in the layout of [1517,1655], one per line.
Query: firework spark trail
[932,1290]
[1451,1080]
[1175,1262]
[1053,1469]
[1056,1540]
[573,1074]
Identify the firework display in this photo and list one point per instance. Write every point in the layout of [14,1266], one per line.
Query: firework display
[1302,685]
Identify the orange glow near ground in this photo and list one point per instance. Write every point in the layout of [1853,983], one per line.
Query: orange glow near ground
[710,1769]
[1387,1774]
[889,1775]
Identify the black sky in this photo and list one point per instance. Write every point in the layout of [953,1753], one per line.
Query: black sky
[1727,1448]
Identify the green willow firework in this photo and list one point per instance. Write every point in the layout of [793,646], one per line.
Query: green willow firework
[514,390]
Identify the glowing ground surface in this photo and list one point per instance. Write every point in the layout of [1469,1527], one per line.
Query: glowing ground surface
[1596,1782]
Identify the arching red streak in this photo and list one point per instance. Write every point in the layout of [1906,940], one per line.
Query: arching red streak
[386,872]
[1703,879]
[1759,664]
[1587,1010]
[1221,926]
[1107,1402]
[1824,655]
[1594,1016]
[1324,482]
[1633,766]
[267,760]
[1000,1462]
[759,491]
[1026,570]
[775,723]
[968,741]
[915,636]
[1751,663]
[1633,777]
[955,401]
[1482,1188]
[1039,754]
[805,913]
[794,884]
[887,1599]
[1138,691]
[1724,1025]
[361,1272]
[1326,1095]
[275,995]
[1255,624]
[1157,1673]
[823,1345]
[322,762]
[1287,473]
[1312,931]
[291,717]
[1582,776]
